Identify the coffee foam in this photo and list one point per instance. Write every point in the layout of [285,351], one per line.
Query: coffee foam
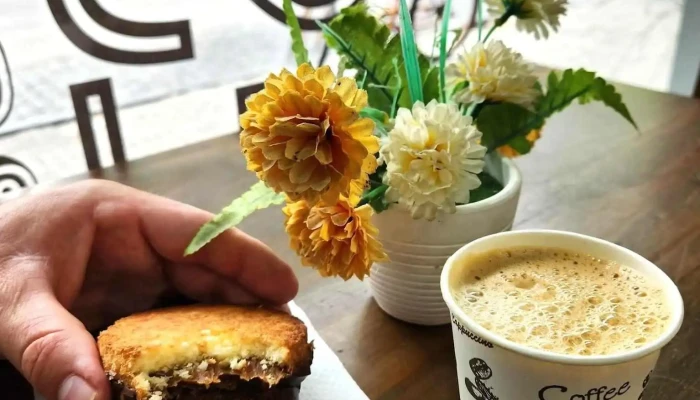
[559,301]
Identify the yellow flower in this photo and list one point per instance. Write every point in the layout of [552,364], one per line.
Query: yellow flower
[357,186]
[336,240]
[508,151]
[303,135]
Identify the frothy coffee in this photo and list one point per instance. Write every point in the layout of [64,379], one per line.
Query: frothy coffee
[559,301]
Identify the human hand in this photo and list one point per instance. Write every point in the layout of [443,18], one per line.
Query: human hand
[76,258]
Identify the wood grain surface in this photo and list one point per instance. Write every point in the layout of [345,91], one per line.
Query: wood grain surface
[590,173]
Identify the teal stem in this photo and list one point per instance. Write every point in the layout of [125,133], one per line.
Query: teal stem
[479,17]
[446,13]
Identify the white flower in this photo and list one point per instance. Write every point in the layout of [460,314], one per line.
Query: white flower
[494,73]
[533,15]
[433,158]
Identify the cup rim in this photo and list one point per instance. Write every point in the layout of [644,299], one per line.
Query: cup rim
[670,289]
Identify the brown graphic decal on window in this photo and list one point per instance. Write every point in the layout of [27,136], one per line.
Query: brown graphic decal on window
[307,24]
[14,175]
[242,93]
[103,89]
[130,28]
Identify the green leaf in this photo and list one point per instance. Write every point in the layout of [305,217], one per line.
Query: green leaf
[410,53]
[443,47]
[405,99]
[457,33]
[374,194]
[365,63]
[504,123]
[562,91]
[538,88]
[520,144]
[258,197]
[489,187]
[606,93]
[582,85]
[431,86]
[375,114]
[300,53]
[367,45]
[378,116]
[508,124]
[458,87]
[379,204]
[371,49]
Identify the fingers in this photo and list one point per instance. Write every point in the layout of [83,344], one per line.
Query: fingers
[205,286]
[170,226]
[53,350]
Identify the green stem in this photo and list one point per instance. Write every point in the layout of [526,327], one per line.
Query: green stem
[565,102]
[463,108]
[364,81]
[375,181]
[493,28]
[510,11]
[373,194]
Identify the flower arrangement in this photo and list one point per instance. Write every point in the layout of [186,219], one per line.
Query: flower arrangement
[399,131]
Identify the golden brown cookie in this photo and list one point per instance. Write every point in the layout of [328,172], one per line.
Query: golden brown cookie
[158,355]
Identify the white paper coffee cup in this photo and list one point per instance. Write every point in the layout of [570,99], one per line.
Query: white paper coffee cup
[490,367]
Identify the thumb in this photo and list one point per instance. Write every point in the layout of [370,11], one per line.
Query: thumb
[53,350]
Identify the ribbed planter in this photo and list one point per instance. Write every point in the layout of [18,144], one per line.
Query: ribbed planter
[408,286]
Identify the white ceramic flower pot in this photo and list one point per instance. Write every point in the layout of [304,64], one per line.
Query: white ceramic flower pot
[408,286]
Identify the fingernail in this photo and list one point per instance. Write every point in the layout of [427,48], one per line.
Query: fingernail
[75,388]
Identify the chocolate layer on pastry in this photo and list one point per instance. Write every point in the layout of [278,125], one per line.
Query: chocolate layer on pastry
[231,387]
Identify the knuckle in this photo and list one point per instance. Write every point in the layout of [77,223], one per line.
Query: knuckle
[93,187]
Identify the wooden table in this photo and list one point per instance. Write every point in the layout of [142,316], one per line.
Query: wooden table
[590,173]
